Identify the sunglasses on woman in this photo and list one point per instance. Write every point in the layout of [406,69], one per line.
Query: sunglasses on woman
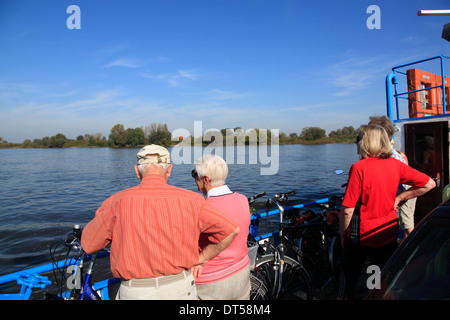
[358,139]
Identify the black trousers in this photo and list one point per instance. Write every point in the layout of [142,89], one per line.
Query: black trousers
[355,256]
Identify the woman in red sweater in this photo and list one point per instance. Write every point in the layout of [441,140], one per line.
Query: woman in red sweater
[227,275]
[368,220]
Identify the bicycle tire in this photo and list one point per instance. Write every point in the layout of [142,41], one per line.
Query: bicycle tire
[258,290]
[296,283]
[327,265]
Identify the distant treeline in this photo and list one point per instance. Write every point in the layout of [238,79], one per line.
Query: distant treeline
[158,133]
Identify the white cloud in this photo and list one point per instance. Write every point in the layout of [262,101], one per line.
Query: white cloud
[353,74]
[98,99]
[174,79]
[124,62]
[218,94]
[189,74]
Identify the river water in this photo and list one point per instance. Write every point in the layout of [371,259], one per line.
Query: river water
[44,192]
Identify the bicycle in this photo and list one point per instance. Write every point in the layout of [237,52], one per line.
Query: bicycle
[258,290]
[278,276]
[79,282]
[254,223]
[317,236]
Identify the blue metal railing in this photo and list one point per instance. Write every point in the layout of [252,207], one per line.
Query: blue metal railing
[392,81]
[30,278]
[256,217]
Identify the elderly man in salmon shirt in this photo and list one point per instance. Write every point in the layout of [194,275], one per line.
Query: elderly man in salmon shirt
[154,229]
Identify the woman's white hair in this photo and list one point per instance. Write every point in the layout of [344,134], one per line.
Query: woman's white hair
[214,167]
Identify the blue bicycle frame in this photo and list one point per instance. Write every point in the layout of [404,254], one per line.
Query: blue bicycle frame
[30,279]
[88,292]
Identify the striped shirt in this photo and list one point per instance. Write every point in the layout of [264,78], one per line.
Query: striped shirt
[154,229]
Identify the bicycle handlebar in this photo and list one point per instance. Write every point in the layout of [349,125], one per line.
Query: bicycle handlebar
[284,196]
[73,240]
[73,237]
[280,197]
[256,196]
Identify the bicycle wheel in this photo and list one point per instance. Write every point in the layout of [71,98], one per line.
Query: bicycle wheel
[335,255]
[318,254]
[258,289]
[295,284]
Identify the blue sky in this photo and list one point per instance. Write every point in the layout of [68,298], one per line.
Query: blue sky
[275,64]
